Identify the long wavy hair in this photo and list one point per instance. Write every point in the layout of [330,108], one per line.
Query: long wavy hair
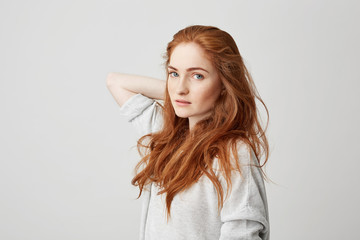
[175,159]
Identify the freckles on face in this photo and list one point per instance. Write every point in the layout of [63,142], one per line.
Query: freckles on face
[193,83]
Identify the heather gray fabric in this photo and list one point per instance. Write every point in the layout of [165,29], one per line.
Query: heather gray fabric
[194,213]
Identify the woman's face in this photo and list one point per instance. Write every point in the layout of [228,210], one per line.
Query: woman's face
[193,83]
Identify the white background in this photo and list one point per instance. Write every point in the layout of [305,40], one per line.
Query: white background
[67,156]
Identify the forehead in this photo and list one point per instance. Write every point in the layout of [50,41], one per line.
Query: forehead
[187,55]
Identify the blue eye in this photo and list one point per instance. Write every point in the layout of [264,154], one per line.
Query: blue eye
[171,74]
[200,76]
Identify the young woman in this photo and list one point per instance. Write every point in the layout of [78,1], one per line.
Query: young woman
[202,141]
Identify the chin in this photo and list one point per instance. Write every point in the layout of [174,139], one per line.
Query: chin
[181,115]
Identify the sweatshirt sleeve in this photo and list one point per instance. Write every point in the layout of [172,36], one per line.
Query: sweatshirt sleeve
[244,215]
[143,112]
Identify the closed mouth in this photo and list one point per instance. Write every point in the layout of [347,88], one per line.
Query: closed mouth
[182,101]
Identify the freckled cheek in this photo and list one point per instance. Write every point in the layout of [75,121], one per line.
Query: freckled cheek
[206,97]
[170,90]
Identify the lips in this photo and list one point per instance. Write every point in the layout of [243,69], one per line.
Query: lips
[182,101]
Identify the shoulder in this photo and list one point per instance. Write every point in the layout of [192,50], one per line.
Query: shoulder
[242,153]
[245,169]
[144,113]
[136,105]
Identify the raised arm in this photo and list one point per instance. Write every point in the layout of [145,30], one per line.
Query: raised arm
[123,86]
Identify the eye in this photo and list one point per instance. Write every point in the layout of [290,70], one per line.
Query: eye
[199,76]
[173,75]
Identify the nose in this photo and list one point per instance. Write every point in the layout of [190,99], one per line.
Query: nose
[182,87]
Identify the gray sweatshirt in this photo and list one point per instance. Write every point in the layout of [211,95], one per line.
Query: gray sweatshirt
[194,212]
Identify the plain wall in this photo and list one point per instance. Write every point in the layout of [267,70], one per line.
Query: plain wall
[67,156]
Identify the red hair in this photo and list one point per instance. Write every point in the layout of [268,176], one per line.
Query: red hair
[175,159]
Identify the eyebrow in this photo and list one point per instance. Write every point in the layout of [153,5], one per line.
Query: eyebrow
[189,69]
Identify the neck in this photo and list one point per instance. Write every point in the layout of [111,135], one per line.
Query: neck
[193,120]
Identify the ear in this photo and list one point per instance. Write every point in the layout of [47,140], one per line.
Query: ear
[223,90]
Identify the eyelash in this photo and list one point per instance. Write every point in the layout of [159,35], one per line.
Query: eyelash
[202,77]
